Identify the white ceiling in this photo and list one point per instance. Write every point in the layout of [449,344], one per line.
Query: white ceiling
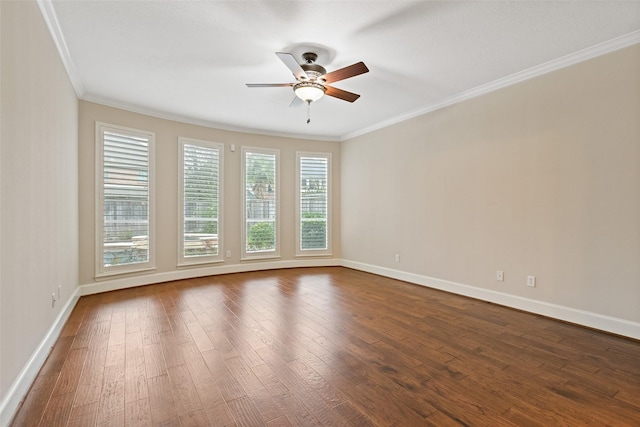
[190,60]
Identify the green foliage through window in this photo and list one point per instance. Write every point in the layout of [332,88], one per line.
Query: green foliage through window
[261,237]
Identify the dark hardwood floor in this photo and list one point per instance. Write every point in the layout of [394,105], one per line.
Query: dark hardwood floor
[324,347]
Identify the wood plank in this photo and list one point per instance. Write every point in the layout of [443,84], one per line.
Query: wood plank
[194,419]
[154,363]
[90,383]
[200,337]
[280,422]
[58,410]
[71,371]
[117,333]
[254,389]
[135,385]
[82,337]
[296,412]
[322,411]
[186,396]
[161,400]
[85,415]
[245,412]
[219,414]
[132,316]
[179,328]
[171,350]
[115,355]
[317,382]
[228,385]
[111,406]
[138,413]
[352,416]
[57,357]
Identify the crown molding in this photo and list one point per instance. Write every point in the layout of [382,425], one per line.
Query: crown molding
[198,122]
[51,19]
[538,70]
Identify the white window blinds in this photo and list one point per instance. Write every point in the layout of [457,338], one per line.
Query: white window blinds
[201,182]
[260,202]
[313,199]
[125,198]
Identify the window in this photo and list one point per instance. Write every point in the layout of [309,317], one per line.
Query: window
[200,202]
[313,210]
[260,177]
[125,200]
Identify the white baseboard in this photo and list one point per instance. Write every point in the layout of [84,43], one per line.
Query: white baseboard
[581,317]
[190,273]
[20,387]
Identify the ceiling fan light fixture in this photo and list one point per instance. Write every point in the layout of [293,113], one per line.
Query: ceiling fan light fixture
[309,91]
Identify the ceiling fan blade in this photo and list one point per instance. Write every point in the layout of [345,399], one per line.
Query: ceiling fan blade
[296,102]
[346,72]
[270,84]
[293,65]
[341,94]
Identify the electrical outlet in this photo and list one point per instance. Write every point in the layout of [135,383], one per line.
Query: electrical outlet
[531,281]
[500,276]
[397,257]
[53,300]
[228,254]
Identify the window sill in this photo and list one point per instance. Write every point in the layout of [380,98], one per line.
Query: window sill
[260,258]
[199,263]
[108,274]
[315,255]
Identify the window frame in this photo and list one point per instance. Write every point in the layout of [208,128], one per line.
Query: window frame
[300,252]
[202,259]
[102,270]
[259,255]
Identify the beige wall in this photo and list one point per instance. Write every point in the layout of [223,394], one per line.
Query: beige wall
[167,133]
[38,177]
[541,178]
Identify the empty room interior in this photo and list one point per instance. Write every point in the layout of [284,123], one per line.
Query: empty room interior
[357,213]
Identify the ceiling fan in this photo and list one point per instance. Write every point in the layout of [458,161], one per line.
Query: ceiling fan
[312,79]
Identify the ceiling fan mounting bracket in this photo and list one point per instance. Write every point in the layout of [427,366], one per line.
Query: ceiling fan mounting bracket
[309,57]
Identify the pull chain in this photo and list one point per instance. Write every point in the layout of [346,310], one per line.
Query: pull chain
[308,112]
